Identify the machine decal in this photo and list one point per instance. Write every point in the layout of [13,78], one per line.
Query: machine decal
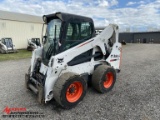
[115,56]
[112,60]
[85,43]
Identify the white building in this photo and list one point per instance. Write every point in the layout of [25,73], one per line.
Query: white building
[20,27]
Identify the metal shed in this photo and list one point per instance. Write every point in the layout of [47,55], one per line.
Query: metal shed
[20,27]
[140,37]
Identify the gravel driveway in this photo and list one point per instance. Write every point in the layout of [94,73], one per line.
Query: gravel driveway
[135,96]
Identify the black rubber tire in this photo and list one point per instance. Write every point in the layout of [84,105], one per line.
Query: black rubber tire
[6,52]
[2,51]
[15,51]
[27,80]
[60,89]
[99,76]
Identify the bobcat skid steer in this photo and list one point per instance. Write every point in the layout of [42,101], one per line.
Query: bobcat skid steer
[6,46]
[33,43]
[70,57]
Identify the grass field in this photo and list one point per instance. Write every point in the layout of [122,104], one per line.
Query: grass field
[16,56]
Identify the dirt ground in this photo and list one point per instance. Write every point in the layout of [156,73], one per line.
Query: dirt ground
[135,96]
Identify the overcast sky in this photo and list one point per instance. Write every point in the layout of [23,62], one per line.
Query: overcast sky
[138,15]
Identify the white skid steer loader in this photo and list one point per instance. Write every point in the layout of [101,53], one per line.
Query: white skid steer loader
[70,57]
[33,43]
[6,46]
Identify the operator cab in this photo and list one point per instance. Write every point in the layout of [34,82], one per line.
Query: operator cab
[7,42]
[65,31]
[36,41]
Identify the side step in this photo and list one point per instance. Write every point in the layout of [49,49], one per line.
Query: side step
[38,90]
[34,89]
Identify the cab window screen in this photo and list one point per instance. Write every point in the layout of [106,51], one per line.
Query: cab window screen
[78,31]
[85,30]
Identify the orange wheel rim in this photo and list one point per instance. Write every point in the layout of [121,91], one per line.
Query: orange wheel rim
[109,80]
[74,92]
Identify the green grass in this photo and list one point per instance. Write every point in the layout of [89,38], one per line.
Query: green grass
[22,54]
